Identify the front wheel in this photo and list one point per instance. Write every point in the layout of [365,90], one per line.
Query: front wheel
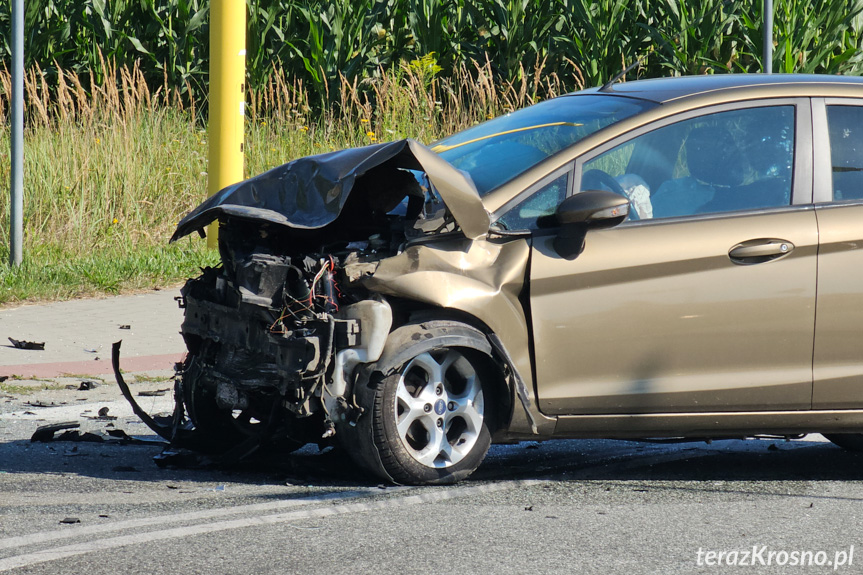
[433,414]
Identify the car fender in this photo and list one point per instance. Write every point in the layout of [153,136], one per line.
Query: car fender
[483,279]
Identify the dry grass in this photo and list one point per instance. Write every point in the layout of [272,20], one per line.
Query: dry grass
[110,172]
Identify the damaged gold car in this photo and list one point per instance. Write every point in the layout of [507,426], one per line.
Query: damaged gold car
[676,258]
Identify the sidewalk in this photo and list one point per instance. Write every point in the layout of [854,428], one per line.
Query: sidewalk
[78,335]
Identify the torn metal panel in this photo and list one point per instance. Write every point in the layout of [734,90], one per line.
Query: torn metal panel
[312,192]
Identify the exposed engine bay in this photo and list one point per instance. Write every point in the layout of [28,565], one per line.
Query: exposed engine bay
[267,334]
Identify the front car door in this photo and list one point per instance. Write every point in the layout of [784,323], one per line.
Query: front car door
[707,302]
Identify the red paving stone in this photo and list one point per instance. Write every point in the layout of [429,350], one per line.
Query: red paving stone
[95,367]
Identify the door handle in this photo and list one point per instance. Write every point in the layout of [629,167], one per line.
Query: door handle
[760,251]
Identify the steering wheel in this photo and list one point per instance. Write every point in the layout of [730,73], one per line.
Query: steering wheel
[596,179]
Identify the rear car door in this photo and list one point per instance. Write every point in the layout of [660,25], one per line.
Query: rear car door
[838,153]
[707,303]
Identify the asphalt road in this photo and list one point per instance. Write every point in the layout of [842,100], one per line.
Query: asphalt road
[556,507]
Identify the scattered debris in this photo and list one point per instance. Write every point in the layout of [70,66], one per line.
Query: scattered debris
[87,385]
[125,326]
[154,392]
[529,508]
[103,515]
[45,433]
[3,378]
[125,438]
[21,344]
[70,520]
[182,458]
[76,435]
[91,350]
[103,414]
[73,452]
[102,417]
[44,404]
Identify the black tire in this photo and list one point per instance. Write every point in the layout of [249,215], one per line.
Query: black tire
[434,404]
[849,441]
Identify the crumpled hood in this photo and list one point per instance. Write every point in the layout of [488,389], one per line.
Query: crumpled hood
[309,193]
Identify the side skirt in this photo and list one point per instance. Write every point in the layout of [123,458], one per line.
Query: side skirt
[716,424]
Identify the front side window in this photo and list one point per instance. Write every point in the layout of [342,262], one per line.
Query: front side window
[721,162]
[845,124]
[497,151]
[530,213]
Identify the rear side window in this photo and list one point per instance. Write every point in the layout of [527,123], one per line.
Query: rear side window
[845,124]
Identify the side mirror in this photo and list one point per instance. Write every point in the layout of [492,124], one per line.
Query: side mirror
[591,209]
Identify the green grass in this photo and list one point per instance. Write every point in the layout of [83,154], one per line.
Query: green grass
[61,275]
[30,388]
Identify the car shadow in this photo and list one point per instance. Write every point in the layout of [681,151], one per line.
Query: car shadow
[135,462]
[562,460]
[722,460]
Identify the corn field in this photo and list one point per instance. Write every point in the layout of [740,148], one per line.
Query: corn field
[324,43]
[115,139]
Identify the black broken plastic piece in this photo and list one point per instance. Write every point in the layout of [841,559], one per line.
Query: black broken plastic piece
[180,458]
[45,433]
[76,435]
[21,344]
[127,439]
[154,392]
[163,431]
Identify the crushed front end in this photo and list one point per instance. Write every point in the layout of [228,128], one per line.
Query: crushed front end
[264,331]
[276,333]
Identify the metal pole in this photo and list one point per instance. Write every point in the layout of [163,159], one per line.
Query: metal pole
[16,184]
[227,98]
[768,37]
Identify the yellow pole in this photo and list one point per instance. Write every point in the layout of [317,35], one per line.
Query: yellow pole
[227,98]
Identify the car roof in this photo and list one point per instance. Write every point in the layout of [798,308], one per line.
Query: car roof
[663,90]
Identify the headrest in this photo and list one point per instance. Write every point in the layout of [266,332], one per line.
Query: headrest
[713,157]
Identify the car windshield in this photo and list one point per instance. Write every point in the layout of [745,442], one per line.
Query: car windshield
[496,151]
